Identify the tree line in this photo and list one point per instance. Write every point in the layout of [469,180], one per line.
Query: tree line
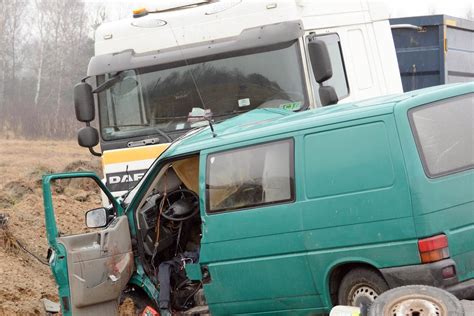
[45,47]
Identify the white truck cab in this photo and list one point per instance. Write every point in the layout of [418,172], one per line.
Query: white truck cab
[154,73]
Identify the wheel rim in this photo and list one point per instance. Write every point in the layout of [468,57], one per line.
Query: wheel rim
[417,305]
[362,295]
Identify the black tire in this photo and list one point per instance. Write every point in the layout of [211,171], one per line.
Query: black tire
[360,287]
[416,300]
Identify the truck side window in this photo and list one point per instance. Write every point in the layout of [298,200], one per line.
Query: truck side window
[444,133]
[123,105]
[339,77]
[251,176]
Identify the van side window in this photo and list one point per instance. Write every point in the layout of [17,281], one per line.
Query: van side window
[444,134]
[339,77]
[250,176]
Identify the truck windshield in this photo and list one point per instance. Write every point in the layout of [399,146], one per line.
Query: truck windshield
[168,98]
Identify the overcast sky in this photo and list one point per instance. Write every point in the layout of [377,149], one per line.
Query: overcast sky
[401,8]
[396,8]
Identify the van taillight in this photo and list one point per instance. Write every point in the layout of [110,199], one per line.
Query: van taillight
[433,248]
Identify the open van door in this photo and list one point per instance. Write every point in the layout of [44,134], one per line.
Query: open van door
[91,269]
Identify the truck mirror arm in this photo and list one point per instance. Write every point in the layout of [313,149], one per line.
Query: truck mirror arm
[95,153]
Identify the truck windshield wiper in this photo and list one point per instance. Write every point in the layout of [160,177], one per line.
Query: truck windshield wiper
[130,125]
[157,129]
[109,83]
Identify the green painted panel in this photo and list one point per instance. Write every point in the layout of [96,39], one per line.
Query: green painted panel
[363,207]
[256,254]
[347,160]
[465,264]
[193,272]
[260,279]
[343,239]
[302,305]
[261,221]
[59,269]
[245,248]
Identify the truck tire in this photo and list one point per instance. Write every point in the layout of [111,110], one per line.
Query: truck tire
[419,300]
[360,287]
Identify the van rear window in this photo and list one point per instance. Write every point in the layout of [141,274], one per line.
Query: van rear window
[250,176]
[444,134]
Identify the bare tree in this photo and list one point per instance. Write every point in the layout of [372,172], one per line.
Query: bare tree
[16,9]
[98,17]
[12,41]
[40,24]
[3,23]
[45,46]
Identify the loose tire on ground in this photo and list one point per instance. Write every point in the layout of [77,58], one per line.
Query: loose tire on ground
[361,286]
[416,300]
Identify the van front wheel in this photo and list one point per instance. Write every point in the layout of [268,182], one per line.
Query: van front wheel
[360,287]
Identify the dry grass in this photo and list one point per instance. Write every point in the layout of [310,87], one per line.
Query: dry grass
[24,280]
[7,241]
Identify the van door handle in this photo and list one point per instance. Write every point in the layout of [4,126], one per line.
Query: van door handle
[103,245]
[113,278]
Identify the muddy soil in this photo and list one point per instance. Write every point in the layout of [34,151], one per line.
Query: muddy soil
[24,279]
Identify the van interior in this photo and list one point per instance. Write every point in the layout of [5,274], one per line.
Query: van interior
[169,224]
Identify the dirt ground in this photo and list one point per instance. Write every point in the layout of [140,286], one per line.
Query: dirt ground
[24,281]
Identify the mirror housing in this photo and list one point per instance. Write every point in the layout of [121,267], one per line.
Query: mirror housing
[320,60]
[328,95]
[96,218]
[88,137]
[84,102]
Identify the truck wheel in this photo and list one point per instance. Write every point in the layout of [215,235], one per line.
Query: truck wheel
[360,287]
[416,300]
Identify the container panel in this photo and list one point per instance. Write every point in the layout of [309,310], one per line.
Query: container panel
[460,55]
[418,57]
[422,58]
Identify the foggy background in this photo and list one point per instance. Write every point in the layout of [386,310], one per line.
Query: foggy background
[45,47]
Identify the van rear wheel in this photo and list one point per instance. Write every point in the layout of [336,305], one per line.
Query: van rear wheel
[360,287]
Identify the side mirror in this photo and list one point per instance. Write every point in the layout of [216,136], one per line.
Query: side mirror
[96,218]
[320,60]
[84,102]
[328,95]
[88,137]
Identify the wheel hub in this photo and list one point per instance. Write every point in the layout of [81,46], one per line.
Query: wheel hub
[417,306]
[363,296]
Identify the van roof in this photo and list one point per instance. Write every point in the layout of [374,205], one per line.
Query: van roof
[261,123]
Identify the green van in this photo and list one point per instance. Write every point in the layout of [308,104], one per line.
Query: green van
[279,212]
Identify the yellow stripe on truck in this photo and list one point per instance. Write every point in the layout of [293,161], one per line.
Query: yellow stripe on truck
[133,154]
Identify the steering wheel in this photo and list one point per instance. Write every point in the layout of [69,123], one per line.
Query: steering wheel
[186,205]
